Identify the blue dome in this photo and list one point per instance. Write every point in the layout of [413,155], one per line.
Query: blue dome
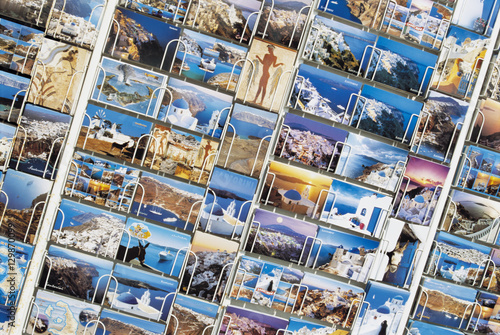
[217,211]
[127,298]
[293,195]
[354,250]
[398,297]
[381,174]
[420,199]
[181,103]
[384,310]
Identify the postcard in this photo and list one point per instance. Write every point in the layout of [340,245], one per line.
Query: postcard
[113,134]
[458,259]
[238,320]
[14,257]
[324,94]
[310,142]
[423,328]
[153,247]
[492,81]
[475,15]
[232,19]
[37,12]
[437,25]
[281,237]
[76,21]
[20,45]
[12,95]
[460,62]
[193,315]
[283,21]
[439,126]
[208,59]
[366,13]
[299,326]
[372,162]
[489,274]
[385,309]
[24,192]
[353,207]
[397,264]
[321,293]
[167,200]
[59,314]
[246,143]
[37,151]
[338,45]
[141,39]
[484,319]
[7,134]
[174,10]
[206,275]
[294,189]
[119,323]
[421,187]
[446,303]
[138,292]
[58,76]
[264,83]
[386,114]
[128,87]
[73,273]
[480,171]
[485,130]
[195,108]
[401,66]
[227,204]
[88,228]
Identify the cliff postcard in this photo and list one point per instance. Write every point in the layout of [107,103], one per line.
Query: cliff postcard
[355,10]
[438,129]
[238,320]
[208,59]
[36,13]
[118,323]
[372,162]
[485,132]
[74,314]
[281,237]
[457,70]
[24,192]
[310,142]
[73,273]
[88,228]
[114,134]
[171,10]
[339,46]
[98,180]
[384,311]
[19,46]
[386,114]
[195,108]
[343,254]
[353,207]
[264,82]
[401,66]
[153,247]
[227,204]
[14,265]
[141,39]
[420,328]
[166,200]
[232,19]
[76,21]
[472,216]
[58,75]
[421,187]
[12,95]
[37,150]
[207,278]
[193,315]
[294,189]
[128,87]
[478,16]
[246,143]
[446,303]
[284,21]
[138,292]
[7,133]
[323,94]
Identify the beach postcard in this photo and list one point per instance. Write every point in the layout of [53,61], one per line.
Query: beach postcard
[324,94]
[193,315]
[119,323]
[153,247]
[239,320]
[14,257]
[12,94]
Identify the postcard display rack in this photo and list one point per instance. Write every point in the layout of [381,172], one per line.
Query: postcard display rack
[245,166]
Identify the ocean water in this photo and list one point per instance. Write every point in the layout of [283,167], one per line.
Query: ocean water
[251,283]
[357,46]
[246,129]
[354,168]
[164,214]
[339,8]
[194,71]
[442,318]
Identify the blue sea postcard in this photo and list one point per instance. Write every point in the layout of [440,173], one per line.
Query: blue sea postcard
[365,13]
[12,95]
